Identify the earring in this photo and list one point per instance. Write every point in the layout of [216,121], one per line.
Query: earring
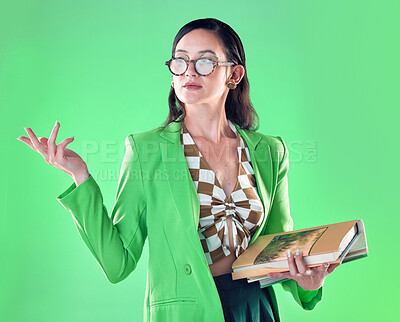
[172,84]
[232,85]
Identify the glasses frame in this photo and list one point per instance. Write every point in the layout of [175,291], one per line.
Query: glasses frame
[188,61]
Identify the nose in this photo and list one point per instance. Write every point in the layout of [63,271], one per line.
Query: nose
[190,70]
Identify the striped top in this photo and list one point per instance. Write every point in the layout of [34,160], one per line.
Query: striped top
[243,206]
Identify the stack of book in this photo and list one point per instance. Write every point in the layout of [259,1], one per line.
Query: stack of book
[333,243]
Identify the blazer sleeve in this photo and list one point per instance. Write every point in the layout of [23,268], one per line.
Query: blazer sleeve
[116,242]
[280,220]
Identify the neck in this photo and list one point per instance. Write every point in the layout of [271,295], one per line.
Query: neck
[202,121]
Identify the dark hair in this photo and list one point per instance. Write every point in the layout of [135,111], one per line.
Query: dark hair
[238,108]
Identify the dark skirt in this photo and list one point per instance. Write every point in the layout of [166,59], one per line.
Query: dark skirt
[243,301]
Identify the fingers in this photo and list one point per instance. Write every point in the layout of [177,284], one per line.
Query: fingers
[43,140]
[326,267]
[322,268]
[27,141]
[36,144]
[60,148]
[332,267]
[53,154]
[280,274]
[307,278]
[301,266]
[296,263]
[291,262]
[51,143]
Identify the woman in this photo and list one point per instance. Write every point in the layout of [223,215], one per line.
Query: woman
[202,188]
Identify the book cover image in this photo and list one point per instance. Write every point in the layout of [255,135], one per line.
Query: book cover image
[277,248]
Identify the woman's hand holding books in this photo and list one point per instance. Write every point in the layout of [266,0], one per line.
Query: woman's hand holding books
[308,279]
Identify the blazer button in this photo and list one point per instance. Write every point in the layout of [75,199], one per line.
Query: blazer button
[187,269]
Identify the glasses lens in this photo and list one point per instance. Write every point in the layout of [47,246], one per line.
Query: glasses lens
[178,66]
[204,66]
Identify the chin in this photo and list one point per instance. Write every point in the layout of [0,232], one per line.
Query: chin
[190,99]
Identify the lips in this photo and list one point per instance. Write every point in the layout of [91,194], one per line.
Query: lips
[192,85]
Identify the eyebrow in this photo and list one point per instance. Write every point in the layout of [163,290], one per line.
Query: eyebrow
[200,51]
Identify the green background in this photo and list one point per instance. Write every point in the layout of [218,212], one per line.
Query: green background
[324,75]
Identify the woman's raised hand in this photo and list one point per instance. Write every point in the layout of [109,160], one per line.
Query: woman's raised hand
[58,155]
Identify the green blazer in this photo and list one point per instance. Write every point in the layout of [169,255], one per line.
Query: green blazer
[156,199]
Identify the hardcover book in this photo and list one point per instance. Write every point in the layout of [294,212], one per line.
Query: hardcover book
[333,243]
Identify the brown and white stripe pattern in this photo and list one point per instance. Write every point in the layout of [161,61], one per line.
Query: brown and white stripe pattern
[244,206]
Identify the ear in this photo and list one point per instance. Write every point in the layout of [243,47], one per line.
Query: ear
[238,72]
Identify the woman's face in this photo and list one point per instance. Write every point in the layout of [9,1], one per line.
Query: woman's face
[201,43]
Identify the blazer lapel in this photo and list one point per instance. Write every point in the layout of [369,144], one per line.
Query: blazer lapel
[182,186]
[261,160]
[180,181]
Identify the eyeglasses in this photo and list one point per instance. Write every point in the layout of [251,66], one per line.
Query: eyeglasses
[202,66]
